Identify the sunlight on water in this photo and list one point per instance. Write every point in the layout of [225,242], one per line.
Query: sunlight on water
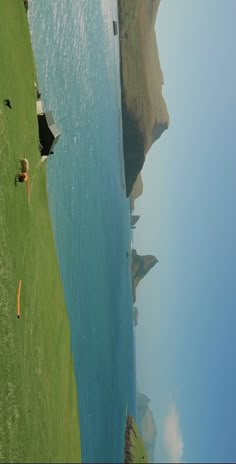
[79,78]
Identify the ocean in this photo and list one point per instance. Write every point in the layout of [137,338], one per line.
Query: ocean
[77,59]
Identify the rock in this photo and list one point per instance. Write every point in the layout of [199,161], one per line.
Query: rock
[134,219]
[141,266]
[136,314]
[137,191]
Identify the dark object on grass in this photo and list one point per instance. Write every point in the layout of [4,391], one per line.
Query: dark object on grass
[7,103]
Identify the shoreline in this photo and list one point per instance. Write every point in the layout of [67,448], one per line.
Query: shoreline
[134,449]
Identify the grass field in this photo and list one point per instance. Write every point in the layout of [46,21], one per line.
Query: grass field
[38,403]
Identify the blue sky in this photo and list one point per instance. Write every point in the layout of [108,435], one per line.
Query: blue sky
[186,342]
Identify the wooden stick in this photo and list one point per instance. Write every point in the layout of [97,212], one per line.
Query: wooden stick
[18,299]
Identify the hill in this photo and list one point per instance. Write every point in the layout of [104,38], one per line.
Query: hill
[141,265]
[146,424]
[144,110]
[135,451]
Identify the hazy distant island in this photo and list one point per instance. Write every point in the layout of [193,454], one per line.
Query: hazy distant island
[141,265]
[140,435]
[144,110]
[146,425]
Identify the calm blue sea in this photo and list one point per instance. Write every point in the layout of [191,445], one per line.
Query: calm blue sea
[77,59]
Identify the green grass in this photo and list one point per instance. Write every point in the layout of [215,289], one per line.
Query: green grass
[137,449]
[38,403]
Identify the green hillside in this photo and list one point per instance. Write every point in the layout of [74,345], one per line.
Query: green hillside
[135,451]
[38,402]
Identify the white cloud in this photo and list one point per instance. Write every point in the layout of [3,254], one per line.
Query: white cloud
[172,436]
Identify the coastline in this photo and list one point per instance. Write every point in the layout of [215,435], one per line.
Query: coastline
[134,451]
[140,130]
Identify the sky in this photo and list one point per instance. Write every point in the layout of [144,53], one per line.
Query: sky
[186,343]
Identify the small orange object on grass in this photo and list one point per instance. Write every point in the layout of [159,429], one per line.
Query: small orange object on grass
[28,187]
[18,299]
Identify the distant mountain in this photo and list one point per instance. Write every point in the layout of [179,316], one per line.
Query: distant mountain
[144,110]
[146,425]
[134,219]
[141,266]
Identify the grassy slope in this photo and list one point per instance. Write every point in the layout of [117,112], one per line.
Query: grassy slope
[38,404]
[137,450]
